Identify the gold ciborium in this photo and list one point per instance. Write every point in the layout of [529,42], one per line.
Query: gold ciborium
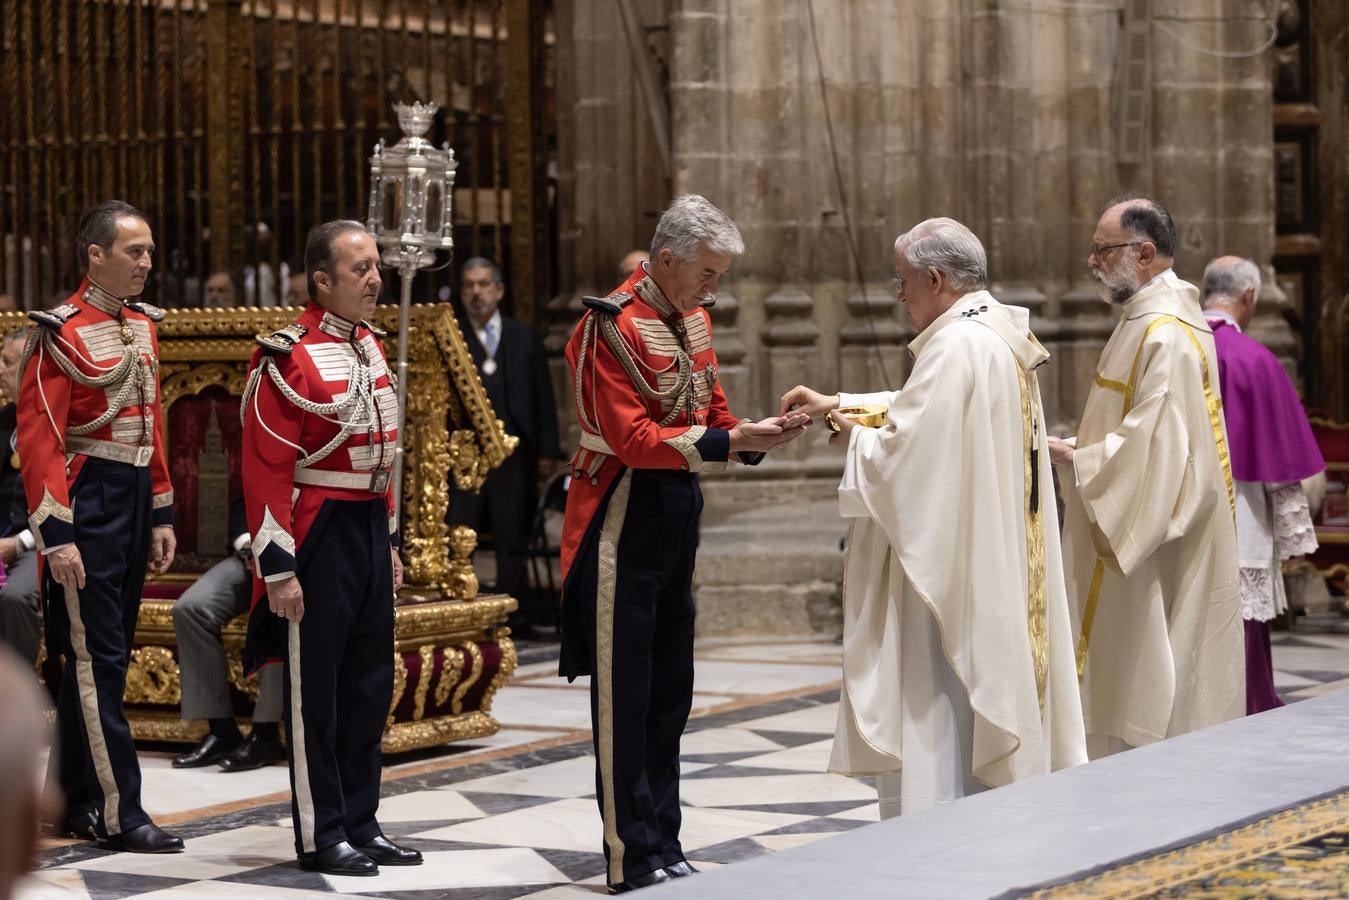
[871,415]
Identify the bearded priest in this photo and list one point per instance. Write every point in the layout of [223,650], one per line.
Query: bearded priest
[957,648]
[1149,536]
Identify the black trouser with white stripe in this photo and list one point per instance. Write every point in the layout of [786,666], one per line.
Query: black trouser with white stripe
[339,675]
[95,759]
[634,579]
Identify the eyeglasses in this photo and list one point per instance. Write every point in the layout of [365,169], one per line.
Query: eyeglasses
[898,285]
[1099,251]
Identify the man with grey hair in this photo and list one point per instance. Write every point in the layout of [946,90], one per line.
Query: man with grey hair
[957,655]
[652,415]
[1273,450]
[1149,546]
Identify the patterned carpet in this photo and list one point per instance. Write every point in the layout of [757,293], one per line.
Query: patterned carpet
[1298,853]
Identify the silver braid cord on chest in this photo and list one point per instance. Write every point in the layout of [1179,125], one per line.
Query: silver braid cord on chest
[132,371]
[352,413]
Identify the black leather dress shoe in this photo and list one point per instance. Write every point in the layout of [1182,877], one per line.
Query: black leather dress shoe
[681,868]
[82,825]
[210,751]
[339,859]
[256,751]
[657,877]
[148,838]
[386,853]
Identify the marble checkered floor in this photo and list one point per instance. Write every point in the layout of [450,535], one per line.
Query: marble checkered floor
[514,815]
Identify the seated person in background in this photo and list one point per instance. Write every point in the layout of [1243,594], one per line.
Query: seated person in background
[630,261]
[220,293]
[219,595]
[20,623]
[297,287]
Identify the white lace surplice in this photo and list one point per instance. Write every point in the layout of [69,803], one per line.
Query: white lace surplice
[1274,523]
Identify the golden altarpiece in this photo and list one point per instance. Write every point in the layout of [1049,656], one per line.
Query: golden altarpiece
[451,651]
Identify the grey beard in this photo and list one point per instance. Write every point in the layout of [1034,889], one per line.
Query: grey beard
[1116,294]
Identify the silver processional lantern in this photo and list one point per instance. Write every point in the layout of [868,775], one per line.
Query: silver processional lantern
[411,186]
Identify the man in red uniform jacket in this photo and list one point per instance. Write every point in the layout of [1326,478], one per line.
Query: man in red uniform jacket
[652,416]
[320,418]
[91,440]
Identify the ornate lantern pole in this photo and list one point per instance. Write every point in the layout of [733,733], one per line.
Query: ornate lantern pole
[411,187]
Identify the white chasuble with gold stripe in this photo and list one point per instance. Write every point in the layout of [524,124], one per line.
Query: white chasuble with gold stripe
[1149,538]
[952,510]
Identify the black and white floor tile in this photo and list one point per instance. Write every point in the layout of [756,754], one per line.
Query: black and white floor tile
[525,824]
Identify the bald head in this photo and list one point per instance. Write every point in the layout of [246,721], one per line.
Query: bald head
[1232,285]
[1143,218]
[22,726]
[1134,242]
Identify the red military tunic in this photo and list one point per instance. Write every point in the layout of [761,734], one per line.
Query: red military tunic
[624,422]
[90,387]
[331,433]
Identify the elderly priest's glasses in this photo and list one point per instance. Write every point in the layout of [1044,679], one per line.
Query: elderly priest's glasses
[1100,250]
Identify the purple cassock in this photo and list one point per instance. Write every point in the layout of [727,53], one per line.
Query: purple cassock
[1270,442]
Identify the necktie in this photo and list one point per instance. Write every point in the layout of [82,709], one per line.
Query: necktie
[490,338]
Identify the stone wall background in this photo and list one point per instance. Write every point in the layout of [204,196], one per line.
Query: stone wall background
[999,113]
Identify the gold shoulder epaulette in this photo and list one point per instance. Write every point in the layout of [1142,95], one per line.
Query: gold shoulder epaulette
[612,304]
[149,310]
[283,340]
[56,316]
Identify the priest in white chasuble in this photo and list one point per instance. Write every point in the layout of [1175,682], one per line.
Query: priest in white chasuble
[957,647]
[1149,536]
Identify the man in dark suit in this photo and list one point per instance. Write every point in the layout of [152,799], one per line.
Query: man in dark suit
[20,624]
[514,370]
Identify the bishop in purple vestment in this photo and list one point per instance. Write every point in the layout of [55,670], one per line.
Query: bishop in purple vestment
[1272,450]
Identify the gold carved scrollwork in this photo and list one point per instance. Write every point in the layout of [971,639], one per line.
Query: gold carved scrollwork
[152,676]
[428,655]
[468,467]
[400,684]
[474,673]
[246,685]
[463,581]
[426,493]
[495,444]
[451,666]
[178,380]
[509,660]
[149,725]
[406,736]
